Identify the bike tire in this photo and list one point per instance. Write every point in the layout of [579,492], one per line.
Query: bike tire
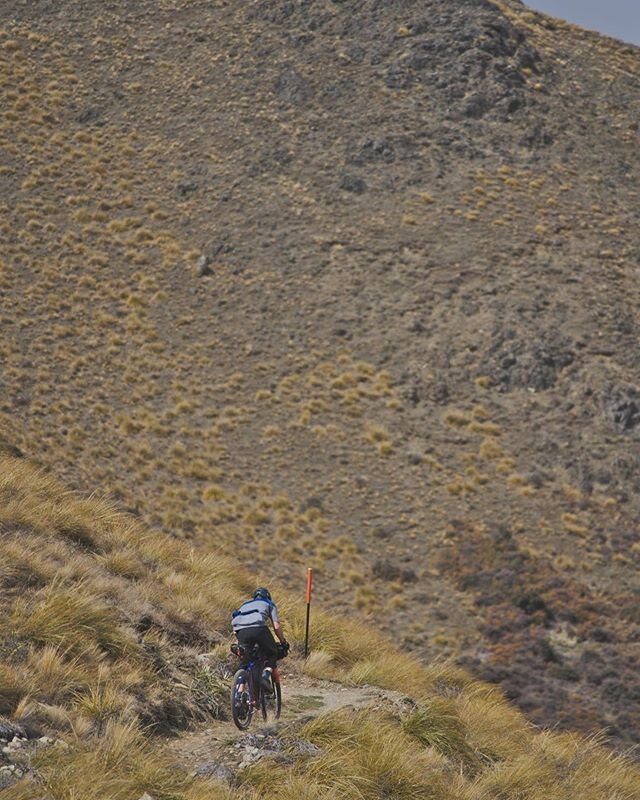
[264,704]
[240,712]
[271,701]
[278,698]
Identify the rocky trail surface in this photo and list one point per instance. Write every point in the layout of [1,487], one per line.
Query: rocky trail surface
[219,749]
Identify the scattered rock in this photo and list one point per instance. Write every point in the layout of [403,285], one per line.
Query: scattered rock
[476,105]
[202,266]
[9,775]
[11,450]
[90,115]
[371,152]
[527,57]
[302,747]
[513,363]
[292,87]
[408,575]
[439,392]
[216,769]
[353,183]
[415,325]
[342,332]
[385,570]
[186,188]
[535,479]
[313,501]
[399,76]
[268,739]
[17,743]
[62,745]
[10,731]
[622,407]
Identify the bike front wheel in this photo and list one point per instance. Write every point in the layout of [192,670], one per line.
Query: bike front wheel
[241,708]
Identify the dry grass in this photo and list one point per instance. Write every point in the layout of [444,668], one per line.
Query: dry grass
[118,765]
[73,618]
[76,661]
[364,756]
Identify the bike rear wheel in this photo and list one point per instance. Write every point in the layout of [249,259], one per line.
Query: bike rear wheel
[271,701]
[277,698]
[241,708]
[264,704]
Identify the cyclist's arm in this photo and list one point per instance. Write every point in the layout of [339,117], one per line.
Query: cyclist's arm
[277,627]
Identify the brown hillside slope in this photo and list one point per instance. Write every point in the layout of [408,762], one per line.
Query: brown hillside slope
[102,619]
[412,360]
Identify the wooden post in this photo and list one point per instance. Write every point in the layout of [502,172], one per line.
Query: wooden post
[309,587]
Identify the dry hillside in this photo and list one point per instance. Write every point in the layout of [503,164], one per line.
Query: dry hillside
[344,283]
[103,620]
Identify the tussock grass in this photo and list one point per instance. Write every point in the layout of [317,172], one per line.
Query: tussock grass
[364,756]
[387,669]
[437,724]
[496,730]
[319,665]
[12,689]
[54,676]
[118,765]
[71,617]
[97,626]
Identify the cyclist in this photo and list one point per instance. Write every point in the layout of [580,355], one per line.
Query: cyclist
[251,626]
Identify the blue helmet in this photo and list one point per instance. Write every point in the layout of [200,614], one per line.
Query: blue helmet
[262,594]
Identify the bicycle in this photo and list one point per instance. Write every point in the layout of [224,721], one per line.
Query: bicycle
[247,694]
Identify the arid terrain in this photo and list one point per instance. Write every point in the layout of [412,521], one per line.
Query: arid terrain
[351,285]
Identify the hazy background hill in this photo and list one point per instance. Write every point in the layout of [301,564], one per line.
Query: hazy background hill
[351,284]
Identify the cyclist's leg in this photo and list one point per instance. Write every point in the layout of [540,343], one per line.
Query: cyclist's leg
[247,636]
[267,643]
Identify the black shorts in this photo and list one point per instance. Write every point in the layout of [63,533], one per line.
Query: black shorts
[261,635]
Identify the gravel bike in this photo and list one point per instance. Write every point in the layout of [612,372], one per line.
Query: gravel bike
[247,691]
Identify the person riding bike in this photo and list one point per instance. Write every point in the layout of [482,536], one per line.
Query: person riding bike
[251,626]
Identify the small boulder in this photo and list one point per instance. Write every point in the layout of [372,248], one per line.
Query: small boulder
[385,570]
[217,770]
[353,183]
[203,266]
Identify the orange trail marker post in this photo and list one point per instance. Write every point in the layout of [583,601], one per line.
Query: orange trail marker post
[309,587]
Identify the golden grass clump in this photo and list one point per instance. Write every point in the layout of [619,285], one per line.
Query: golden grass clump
[13,688]
[71,618]
[495,729]
[53,676]
[437,724]
[364,756]
[119,765]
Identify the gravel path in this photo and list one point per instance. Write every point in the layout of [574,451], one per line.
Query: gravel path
[219,748]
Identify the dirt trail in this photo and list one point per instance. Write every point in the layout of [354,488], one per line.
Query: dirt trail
[219,748]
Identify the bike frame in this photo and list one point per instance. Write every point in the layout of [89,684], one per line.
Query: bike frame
[248,692]
[253,686]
